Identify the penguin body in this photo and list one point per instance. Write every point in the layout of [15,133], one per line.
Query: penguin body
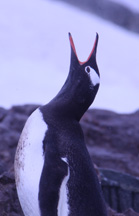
[53,170]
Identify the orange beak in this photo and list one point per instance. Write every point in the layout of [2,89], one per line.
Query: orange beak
[93,52]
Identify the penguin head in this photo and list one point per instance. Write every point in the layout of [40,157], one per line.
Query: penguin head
[83,77]
[81,86]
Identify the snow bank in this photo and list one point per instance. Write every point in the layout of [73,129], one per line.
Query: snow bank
[35,54]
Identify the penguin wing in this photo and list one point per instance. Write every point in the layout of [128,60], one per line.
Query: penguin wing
[54,171]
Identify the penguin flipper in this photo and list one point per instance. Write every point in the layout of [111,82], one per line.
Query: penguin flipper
[53,173]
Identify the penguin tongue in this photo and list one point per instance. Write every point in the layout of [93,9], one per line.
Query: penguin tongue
[93,52]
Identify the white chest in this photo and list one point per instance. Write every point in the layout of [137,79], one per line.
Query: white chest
[29,163]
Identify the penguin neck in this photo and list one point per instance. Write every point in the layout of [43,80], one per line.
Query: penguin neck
[66,106]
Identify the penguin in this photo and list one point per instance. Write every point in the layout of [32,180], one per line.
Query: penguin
[54,173]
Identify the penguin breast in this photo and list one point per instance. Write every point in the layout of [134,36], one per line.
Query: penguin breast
[29,162]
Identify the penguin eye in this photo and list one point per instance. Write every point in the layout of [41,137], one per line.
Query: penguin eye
[87,69]
[94,77]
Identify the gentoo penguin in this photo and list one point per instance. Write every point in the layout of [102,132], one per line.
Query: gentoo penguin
[53,170]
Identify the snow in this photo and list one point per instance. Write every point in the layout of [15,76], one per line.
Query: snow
[35,54]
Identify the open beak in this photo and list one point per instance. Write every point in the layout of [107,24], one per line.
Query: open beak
[93,52]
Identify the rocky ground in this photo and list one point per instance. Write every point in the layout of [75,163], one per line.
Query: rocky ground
[112,141]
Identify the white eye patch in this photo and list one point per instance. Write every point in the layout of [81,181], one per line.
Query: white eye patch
[93,75]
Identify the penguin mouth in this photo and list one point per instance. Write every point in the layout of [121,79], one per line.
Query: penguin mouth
[93,52]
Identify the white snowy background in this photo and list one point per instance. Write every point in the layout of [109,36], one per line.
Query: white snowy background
[35,53]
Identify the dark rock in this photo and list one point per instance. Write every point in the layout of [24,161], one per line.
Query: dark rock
[9,204]
[128,212]
[121,191]
[113,139]
[3,113]
[17,116]
[25,110]
[7,178]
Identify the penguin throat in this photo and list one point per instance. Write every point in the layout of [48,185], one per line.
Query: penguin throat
[66,107]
